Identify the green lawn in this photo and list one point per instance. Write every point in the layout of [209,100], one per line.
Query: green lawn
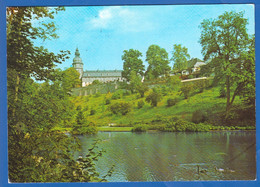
[207,101]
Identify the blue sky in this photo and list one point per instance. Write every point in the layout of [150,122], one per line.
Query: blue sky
[102,33]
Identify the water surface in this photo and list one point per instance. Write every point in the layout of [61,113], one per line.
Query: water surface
[162,156]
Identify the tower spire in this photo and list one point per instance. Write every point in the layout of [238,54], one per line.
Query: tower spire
[77,52]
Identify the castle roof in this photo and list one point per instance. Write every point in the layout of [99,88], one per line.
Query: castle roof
[77,59]
[103,73]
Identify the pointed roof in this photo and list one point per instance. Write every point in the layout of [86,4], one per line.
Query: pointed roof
[77,59]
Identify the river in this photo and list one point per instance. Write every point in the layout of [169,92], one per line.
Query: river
[162,156]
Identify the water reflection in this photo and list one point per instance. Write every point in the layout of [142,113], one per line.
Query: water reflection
[176,156]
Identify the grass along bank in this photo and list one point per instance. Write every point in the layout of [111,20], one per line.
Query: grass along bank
[206,107]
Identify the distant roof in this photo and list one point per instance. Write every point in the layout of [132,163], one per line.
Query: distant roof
[103,73]
[198,64]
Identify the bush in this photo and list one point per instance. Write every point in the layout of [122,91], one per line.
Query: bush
[140,128]
[120,107]
[87,130]
[107,101]
[174,82]
[199,116]
[117,95]
[186,90]
[92,112]
[200,85]
[140,104]
[172,101]
[84,127]
[181,125]
[154,98]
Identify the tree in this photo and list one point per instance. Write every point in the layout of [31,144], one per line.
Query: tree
[191,63]
[23,58]
[225,40]
[132,62]
[135,81]
[154,97]
[180,57]
[70,79]
[36,151]
[157,59]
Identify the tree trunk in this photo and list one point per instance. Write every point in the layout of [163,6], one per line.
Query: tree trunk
[228,104]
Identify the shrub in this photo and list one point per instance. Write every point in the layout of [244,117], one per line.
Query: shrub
[120,107]
[172,101]
[140,104]
[174,82]
[199,116]
[124,108]
[186,90]
[141,89]
[98,94]
[117,95]
[181,125]
[92,112]
[140,128]
[200,85]
[201,127]
[88,130]
[153,98]
[96,82]
[107,101]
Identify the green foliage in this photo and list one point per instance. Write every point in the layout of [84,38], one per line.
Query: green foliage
[154,97]
[199,116]
[226,42]
[85,166]
[132,62]
[120,108]
[70,79]
[107,101]
[92,112]
[83,126]
[186,90]
[96,82]
[174,82]
[140,128]
[180,57]
[140,104]
[135,81]
[172,101]
[36,151]
[200,85]
[157,59]
[117,95]
[222,92]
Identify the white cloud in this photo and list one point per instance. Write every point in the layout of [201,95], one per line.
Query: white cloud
[121,19]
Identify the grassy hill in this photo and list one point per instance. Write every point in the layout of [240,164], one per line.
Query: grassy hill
[208,102]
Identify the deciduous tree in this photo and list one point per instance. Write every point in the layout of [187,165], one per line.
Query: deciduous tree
[180,57]
[132,62]
[225,40]
[157,59]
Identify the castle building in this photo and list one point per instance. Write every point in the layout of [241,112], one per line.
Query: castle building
[89,76]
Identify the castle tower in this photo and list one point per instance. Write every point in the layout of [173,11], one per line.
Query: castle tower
[77,63]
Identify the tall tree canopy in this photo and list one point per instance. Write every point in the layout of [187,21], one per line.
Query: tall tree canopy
[226,42]
[70,79]
[180,57]
[36,151]
[157,59]
[132,62]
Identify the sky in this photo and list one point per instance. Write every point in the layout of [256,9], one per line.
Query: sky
[102,33]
